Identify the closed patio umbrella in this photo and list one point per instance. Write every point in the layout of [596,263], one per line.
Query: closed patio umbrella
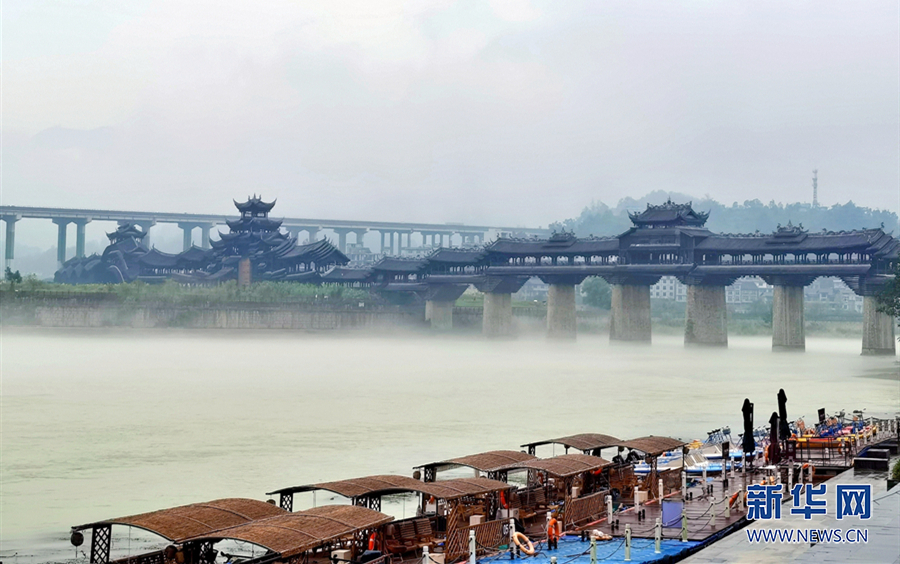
[784,430]
[774,447]
[748,445]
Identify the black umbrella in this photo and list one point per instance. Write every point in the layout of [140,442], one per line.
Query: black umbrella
[774,449]
[748,445]
[784,431]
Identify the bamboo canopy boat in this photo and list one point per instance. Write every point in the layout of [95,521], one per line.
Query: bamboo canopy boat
[446,510]
[493,463]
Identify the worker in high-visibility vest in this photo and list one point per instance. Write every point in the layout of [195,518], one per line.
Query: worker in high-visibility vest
[554,530]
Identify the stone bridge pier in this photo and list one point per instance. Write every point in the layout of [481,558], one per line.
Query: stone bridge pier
[497,321]
[562,318]
[629,316]
[878,336]
[439,302]
[788,331]
[706,315]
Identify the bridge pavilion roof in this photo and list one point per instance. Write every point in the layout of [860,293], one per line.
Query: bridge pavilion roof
[485,462]
[563,466]
[154,258]
[319,252]
[291,534]
[400,265]
[669,214]
[179,523]
[389,484]
[653,446]
[342,274]
[562,244]
[793,239]
[583,441]
[457,257]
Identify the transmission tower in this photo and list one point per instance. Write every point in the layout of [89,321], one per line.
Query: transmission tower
[816,188]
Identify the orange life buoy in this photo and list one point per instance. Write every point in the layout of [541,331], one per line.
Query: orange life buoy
[503,500]
[372,541]
[524,543]
[733,500]
[540,477]
[553,529]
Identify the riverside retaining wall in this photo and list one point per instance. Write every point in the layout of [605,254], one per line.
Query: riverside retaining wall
[72,313]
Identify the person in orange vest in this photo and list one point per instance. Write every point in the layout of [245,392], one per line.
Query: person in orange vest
[554,529]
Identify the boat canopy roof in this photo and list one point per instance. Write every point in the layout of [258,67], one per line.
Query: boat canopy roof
[291,534]
[584,441]
[390,484]
[653,446]
[564,466]
[485,461]
[179,523]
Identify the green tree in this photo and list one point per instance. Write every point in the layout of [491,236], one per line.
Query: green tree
[889,298]
[12,277]
[596,292]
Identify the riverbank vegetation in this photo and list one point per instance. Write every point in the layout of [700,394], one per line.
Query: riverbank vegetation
[179,294]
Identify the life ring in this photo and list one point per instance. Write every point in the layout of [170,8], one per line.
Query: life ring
[540,477]
[372,541]
[503,500]
[524,543]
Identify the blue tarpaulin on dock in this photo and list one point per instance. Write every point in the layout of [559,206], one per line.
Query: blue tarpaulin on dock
[574,551]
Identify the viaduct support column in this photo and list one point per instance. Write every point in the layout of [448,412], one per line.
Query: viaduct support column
[313,234]
[10,239]
[188,229]
[204,230]
[629,316]
[79,236]
[706,320]
[342,239]
[61,240]
[788,332]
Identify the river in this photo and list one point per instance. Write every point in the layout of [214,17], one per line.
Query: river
[104,423]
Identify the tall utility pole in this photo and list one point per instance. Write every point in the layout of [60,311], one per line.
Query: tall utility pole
[816,188]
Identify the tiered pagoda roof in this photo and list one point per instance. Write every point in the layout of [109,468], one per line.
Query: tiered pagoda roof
[126,231]
[669,214]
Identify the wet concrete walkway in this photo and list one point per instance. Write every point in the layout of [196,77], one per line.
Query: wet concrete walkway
[882,531]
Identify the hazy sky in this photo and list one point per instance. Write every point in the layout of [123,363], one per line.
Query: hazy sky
[506,111]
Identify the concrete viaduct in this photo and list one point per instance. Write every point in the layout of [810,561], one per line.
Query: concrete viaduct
[394,236]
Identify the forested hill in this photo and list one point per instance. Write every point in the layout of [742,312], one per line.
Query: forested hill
[600,219]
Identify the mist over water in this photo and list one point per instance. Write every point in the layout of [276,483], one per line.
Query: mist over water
[105,423]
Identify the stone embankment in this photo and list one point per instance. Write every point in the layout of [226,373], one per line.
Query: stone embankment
[74,312]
